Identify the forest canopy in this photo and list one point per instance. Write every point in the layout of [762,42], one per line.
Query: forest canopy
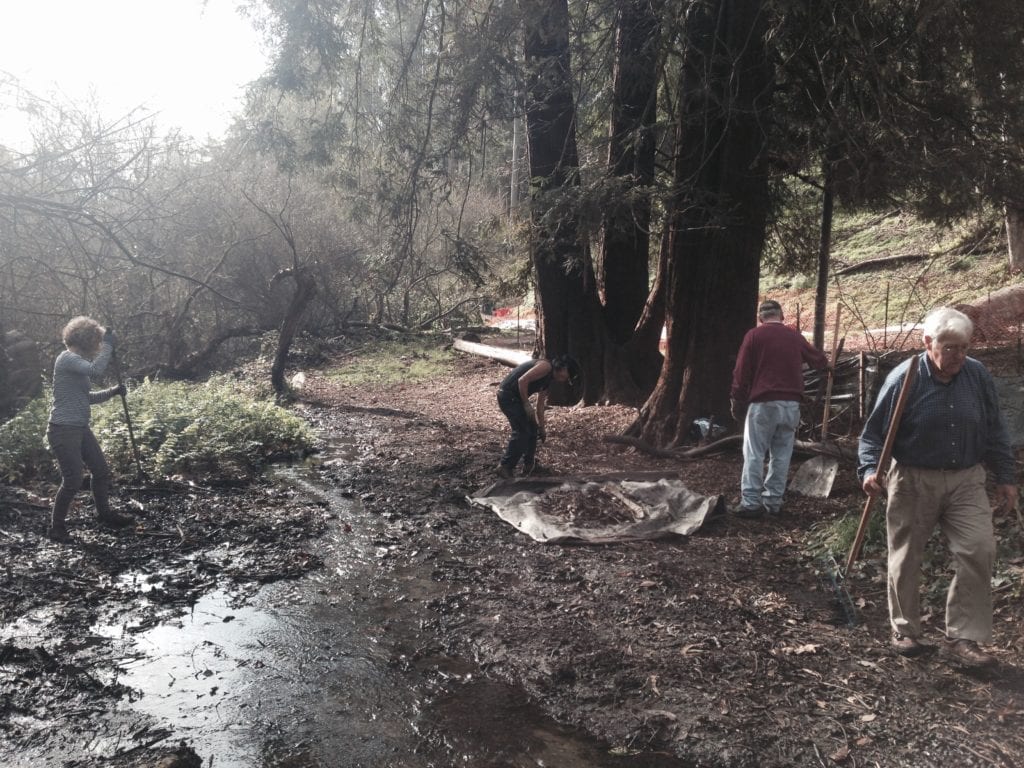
[622,166]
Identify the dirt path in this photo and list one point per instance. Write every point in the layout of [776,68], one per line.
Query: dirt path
[724,649]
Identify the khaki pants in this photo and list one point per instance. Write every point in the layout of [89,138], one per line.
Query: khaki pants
[956,501]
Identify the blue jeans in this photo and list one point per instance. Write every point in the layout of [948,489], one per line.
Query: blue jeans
[768,433]
[523,442]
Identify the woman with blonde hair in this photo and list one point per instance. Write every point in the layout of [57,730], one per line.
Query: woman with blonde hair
[89,350]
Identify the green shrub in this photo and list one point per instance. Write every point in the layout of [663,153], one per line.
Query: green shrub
[835,537]
[180,428]
[23,451]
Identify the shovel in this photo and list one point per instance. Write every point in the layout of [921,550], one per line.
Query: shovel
[815,477]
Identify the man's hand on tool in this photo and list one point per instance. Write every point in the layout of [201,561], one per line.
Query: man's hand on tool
[108,337]
[120,391]
[873,485]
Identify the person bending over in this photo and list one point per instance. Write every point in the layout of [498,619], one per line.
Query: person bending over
[526,420]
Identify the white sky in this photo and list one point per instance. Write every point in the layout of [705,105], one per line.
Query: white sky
[189,60]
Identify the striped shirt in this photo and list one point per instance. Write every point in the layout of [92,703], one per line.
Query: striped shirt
[944,426]
[71,395]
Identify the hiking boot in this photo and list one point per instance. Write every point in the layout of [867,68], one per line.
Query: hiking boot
[535,469]
[58,533]
[114,520]
[907,646]
[504,472]
[969,654]
[749,513]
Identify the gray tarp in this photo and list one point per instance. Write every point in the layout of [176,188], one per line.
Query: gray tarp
[646,508]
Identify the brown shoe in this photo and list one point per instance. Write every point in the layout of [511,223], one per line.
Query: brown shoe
[907,646]
[504,472]
[969,654]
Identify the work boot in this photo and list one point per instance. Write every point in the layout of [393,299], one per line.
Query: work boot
[969,654]
[907,646]
[114,520]
[57,530]
[535,469]
[58,533]
[748,513]
[504,472]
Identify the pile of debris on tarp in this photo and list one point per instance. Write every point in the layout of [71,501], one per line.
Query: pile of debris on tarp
[600,509]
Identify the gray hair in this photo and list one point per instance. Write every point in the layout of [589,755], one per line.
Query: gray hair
[769,309]
[945,322]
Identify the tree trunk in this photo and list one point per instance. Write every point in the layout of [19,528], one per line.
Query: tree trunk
[625,247]
[717,218]
[631,361]
[568,309]
[1015,236]
[824,248]
[305,289]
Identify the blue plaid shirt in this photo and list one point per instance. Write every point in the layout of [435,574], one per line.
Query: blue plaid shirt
[944,426]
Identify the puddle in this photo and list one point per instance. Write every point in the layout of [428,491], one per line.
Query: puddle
[327,670]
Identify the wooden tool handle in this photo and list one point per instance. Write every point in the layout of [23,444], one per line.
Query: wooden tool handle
[831,376]
[884,459]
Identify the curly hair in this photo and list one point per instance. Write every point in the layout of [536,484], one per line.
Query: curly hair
[82,333]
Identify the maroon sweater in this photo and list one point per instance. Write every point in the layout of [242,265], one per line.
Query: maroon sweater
[770,364]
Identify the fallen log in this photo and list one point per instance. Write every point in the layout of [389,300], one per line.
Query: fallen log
[510,357]
[732,441]
[882,262]
[675,453]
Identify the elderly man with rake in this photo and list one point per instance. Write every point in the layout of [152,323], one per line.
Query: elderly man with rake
[951,430]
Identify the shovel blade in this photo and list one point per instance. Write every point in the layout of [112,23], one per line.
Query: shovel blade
[815,477]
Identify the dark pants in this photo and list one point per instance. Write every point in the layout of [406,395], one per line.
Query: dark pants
[523,443]
[76,448]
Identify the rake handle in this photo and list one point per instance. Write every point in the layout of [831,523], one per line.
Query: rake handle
[127,415]
[884,459]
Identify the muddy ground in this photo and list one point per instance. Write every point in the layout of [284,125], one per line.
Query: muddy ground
[724,648]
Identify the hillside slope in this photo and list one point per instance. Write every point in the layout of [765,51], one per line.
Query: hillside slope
[887,271]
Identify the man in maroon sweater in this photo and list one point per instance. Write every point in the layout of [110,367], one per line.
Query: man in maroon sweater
[767,384]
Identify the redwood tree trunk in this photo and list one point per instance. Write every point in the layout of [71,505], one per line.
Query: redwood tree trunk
[625,246]
[717,218]
[568,309]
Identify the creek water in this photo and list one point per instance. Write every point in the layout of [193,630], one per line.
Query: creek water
[333,670]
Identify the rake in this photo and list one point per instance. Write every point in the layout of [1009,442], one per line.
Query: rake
[836,576]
